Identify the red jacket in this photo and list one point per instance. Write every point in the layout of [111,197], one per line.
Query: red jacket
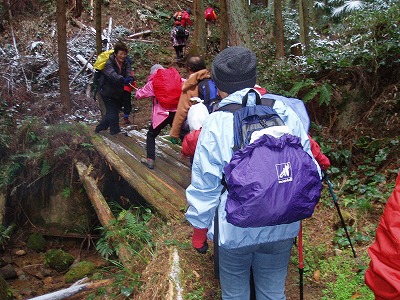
[186,19]
[321,159]
[189,142]
[383,274]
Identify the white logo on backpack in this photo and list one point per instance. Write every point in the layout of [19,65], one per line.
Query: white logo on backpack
[284,172]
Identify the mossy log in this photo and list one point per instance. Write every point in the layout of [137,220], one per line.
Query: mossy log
[102,209]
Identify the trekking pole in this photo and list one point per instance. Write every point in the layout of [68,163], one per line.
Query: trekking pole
[134,87]
[301,262]
[335,201]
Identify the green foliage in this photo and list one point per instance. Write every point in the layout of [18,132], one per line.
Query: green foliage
[129,229]
[5,234]
[197,294]
[344,277]
[32,151]
[66,192]
[342,241]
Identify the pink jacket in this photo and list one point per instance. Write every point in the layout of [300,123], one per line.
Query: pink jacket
[159,114]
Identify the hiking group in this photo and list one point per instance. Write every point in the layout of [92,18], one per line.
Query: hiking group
[228,125]
[179,33]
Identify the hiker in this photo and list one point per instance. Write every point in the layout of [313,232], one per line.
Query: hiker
[117,74]
[210,17]
[160,118]
[179,36]
[196,68]
[266,249]
[127,99]
[383,273]
[182,17]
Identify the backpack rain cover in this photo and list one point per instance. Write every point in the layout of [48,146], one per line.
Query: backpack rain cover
[167,86]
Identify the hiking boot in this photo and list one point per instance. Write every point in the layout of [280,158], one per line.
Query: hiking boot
[126,121]
[148,162]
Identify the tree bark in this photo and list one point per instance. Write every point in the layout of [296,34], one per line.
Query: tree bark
[199,37]
[97,17]
[304,23]
[62,56]
[279,29]
[238,12]
[224,25]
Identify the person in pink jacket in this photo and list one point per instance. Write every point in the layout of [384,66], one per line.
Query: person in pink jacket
[160,117]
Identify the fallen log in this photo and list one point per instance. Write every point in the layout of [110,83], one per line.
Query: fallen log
[102,209]
[139,34]
[86,65]
[72,290]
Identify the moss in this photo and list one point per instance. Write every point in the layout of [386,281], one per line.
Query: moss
[5,292]
[58,259]
[79,271]
[36,242]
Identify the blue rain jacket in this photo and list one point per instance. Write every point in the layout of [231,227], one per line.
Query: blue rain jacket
[213,151]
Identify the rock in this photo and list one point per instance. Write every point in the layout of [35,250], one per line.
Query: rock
[36,242]
[8,272]
[20,252]
[58,259]
[79,271]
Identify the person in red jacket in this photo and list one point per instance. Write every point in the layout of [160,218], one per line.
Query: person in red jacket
[211,18]
[383,274]
[183,18]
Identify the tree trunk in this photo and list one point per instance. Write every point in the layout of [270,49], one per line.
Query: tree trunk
[238,13]
[62,56]
[278,29]
[198,43]
[304,23]
[97,17]
[224,25]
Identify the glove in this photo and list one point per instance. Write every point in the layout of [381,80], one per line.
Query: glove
[199,240]
[127,80]
[174,141]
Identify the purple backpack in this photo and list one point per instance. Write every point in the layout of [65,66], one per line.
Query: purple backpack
[271,181]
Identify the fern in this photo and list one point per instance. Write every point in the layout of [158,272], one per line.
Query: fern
[61,150]
[299,85]
[311,94]
[45,168]
[325,94]
[9,172]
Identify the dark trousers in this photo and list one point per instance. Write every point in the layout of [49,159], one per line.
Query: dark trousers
[179,51]
[126,103]
[111,117]
[154,132]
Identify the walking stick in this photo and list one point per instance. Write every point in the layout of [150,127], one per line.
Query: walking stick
[335,201]
[301,262]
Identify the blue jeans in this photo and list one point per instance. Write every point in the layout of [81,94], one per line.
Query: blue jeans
[269,263]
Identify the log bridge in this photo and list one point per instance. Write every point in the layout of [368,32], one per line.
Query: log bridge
[164,186]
